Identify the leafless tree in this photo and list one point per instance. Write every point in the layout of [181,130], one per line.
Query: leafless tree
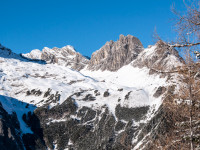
[155,35]
[188,92]
[187,24]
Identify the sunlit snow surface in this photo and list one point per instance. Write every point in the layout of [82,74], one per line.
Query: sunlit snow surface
[18,76]
[35,54]
[130,77]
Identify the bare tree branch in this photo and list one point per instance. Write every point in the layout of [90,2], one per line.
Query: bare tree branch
[185,45]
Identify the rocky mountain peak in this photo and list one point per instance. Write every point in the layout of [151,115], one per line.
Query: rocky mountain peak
[128,39]
[65,56]
[160,57]
[113,55]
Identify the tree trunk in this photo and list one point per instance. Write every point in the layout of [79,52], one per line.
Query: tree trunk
[191,105]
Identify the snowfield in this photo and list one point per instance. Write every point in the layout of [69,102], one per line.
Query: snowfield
[27,84]
[130,77]
[18,76]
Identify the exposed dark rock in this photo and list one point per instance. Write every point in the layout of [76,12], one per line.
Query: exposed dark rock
[119,126]
[106,94]
[34,92]
[32,141]
[74,81]
[87,128]
[127,114]
[78,94]
[89,97]
[163,116]
[28,93]
[127,95]
[47,93]
[86,114]
[120,89]
[159,91]
[97,93]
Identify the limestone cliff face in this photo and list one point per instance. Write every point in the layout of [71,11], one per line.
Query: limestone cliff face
[113,55]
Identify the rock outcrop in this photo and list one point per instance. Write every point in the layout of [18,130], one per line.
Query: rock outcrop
[160,57]
[65,56]
[114,55]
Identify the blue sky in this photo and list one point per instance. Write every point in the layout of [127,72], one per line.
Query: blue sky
[84,24]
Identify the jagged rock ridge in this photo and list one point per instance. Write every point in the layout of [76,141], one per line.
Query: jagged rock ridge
[66,56]
[113,55]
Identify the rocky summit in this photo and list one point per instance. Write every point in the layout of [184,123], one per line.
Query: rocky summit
[160,57]
[113,55]
[125,97]
[66,56]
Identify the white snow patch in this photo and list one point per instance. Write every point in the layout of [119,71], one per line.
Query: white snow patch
[34,54]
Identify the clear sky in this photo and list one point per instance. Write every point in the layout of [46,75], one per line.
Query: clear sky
[84,24]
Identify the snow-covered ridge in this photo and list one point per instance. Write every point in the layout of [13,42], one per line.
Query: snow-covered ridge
[65,56]
[42,85]
[22,80]
[34,54]
[18,78]
[100,101]
[159,57]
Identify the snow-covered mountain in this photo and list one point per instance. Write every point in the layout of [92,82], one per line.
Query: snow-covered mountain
[159,57]
[34,54]
[65,56]
[53,106]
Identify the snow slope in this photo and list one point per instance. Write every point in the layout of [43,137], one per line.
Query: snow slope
[17,77]
[39,84]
